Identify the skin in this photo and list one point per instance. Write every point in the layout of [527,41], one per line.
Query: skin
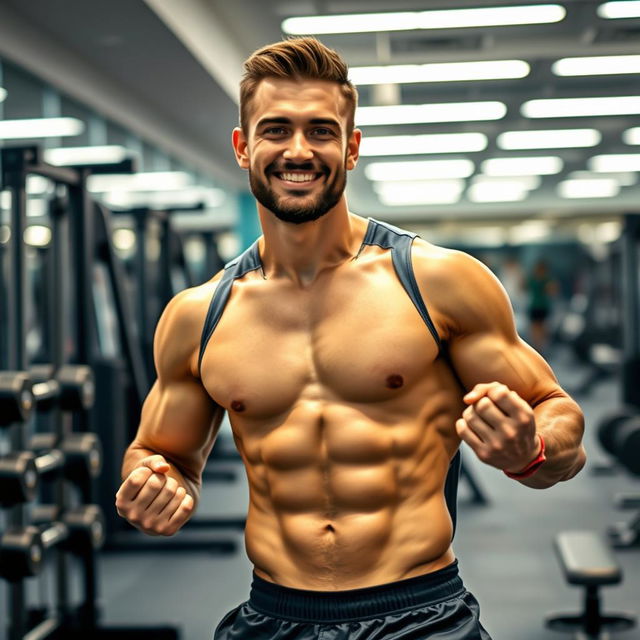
[344,413]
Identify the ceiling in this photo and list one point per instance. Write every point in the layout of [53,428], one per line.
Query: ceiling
[176,65]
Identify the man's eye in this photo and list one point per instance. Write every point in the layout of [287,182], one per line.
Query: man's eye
[275,131]
[323,131]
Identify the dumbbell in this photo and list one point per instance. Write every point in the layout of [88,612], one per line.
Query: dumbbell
[22,549]
[18,478]
[609,425]
[16,399]
[45,388]
[626,443]
[85,524]
[77,387]
[82,453]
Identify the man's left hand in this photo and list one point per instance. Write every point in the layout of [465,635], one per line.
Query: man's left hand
[499,426]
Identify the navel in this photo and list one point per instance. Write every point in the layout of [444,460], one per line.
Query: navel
[395,381]
[238,405]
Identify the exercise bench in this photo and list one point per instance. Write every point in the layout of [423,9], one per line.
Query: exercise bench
[588,562]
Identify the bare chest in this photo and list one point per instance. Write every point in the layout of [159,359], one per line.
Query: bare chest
[353,337]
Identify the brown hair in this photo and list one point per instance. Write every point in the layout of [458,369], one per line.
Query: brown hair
[296,58]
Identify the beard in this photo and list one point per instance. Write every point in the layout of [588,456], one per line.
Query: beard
[299,206]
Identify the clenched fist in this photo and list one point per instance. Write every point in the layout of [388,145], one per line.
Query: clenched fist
[152,501]
[499,426]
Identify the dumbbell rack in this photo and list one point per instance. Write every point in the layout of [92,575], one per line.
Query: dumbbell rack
[69,456]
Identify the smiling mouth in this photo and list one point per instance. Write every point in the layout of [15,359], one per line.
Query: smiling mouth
[297,179]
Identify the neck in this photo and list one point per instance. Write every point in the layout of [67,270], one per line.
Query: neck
[300,252]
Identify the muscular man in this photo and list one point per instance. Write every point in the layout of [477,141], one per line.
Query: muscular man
[352,359]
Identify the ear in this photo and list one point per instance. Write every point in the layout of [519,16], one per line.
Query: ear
[353,149]
[239,142]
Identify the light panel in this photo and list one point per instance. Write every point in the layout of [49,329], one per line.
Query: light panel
[410,20]
[425,113]
[148,181]
[436,192]
[615,162]
[419,170]
[623,179]
[165,199]
[631,136]
[549,139]
[37,235]
[486,192]
[578,107]
[104,154]
[439,72]
[527,183]
[3,94]
[423,144]
[28,128]
[596,66]
[620,9]
[522,166]
[529,231]
[598,188]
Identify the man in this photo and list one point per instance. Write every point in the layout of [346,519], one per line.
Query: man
[352,359]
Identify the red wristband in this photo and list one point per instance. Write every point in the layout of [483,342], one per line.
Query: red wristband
[532,467]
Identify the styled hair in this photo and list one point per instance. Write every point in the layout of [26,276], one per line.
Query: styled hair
[296,58]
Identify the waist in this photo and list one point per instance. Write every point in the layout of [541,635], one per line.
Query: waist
[332,606]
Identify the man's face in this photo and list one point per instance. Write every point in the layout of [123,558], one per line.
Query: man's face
[296,148]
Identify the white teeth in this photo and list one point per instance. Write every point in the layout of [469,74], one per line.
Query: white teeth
[298,177]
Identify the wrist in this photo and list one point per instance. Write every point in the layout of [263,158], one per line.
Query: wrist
[532,466]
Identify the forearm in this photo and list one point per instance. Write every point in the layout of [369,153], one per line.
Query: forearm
[560,422]
[135,453]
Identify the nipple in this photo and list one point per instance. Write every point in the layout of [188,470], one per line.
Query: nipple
[238,405]
[395,381]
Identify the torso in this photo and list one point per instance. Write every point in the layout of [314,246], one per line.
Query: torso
[343,413]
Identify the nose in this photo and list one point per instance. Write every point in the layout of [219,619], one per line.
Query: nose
[298,148]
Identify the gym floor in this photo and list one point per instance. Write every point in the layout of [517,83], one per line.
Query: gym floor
[505,549]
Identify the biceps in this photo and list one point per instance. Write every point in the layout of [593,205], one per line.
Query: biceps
[180,420]
[488,357]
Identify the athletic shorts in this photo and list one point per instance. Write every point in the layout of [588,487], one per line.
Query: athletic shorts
[434,606]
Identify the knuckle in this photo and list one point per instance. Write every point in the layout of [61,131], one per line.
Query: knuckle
[171,485]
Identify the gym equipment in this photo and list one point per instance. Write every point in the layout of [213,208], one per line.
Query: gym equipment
[16,398]
[587,561]
[609,425]
[64,389]
[18,478]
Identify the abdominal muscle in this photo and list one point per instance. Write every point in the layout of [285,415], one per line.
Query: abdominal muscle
[340,500]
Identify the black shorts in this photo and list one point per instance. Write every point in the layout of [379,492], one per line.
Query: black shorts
[435,605]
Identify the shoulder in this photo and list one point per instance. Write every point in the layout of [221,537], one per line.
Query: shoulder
[179,329]
[463,291]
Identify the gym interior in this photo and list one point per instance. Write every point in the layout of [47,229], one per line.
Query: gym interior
[508,130]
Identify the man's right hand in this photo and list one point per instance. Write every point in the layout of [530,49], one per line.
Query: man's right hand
[153,501]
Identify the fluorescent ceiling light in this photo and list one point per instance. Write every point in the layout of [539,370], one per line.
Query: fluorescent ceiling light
[37,207]
[37,235]
[422,144]
[596,66]
[598,188]
[164,180]
[124,239]
[166,199]
[541,165]
[626,179]
[410,20]
[423,113]
[631,136]
[621,9]
[486,192]
[439,72]
[418,186]
[615,162]
[86,155]
[530,231]
[419,170]
[28,128]
[3,94]
[5,200]
[37,185]
[577,107]
[521,182]
[549,139]
[441,192]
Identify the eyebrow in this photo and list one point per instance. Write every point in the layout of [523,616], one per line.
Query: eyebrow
[283,120]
